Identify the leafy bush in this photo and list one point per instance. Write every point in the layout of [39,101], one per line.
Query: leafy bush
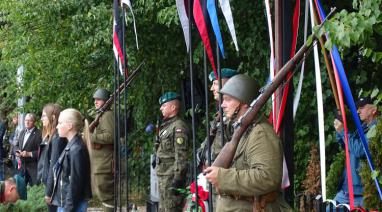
[371,197]
[35,201]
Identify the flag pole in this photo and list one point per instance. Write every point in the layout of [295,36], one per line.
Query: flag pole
[192,103]
[125,69]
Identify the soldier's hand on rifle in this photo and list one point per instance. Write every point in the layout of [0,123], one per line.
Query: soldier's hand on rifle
[211,174]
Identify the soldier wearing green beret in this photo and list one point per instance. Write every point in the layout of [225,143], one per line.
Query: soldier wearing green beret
[102,153]
[215,129]
[13,189]
[215,126]
[171,160]
[253,181]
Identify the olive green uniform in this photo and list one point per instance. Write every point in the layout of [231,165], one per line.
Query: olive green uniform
[256,170]
[172,162]
[216,143]
[102,159]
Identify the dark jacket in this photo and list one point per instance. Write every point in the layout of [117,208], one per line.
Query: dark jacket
[73,183]
[49,153]
[29,164]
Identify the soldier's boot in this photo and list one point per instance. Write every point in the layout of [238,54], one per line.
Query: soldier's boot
[107,207]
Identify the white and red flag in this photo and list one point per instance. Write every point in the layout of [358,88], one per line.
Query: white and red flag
[117,38]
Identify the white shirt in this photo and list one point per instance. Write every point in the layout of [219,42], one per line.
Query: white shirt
[28,132]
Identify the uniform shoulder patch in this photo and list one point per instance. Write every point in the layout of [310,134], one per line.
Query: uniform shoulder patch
[180,141]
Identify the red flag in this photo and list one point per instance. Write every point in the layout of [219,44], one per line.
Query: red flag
[202,27]
[117,38]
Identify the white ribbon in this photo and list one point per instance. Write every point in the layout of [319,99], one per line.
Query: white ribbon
[128,3]
[297,97]
[272,57]
[226,9]
[321,129]
[183,21]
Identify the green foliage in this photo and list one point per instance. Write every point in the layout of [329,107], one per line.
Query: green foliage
[34,203]
[371,197]
[334,174]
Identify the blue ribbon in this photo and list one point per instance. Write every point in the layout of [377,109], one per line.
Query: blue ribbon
[350,102]
[215,24]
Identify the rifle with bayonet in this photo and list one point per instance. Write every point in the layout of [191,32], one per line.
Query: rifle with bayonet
[110,101]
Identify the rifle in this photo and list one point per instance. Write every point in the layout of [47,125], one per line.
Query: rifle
[225,157]
[156,142]
[110,101]
[203,152]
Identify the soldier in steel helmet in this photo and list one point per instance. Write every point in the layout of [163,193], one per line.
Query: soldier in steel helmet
[254,178]
[171,161]
[102,140]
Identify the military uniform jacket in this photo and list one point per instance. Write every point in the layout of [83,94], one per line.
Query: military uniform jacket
[104,135]
[215,131]
[256,170]
[173,148]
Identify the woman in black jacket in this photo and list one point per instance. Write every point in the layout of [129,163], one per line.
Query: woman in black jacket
[50,149]
[72,189]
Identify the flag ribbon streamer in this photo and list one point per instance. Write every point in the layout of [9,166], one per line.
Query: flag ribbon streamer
[211,8]
[299,86]
[320,109]
[117,39]
[181,7]
[296,18]
[202,27]
[128,3]
[227,12]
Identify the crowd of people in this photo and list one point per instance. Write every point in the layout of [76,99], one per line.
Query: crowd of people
[58,157]
[74,160]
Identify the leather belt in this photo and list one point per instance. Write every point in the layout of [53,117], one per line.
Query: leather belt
[164,160]
[259,202]
[98,146]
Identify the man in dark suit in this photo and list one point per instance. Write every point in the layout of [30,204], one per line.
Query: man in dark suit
[27,149]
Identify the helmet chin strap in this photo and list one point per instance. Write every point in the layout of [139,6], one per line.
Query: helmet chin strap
[236,112]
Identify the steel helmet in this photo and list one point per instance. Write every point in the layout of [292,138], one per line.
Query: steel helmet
[241,87]
[101,94]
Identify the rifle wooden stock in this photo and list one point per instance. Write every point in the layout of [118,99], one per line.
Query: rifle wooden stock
[225,157]
[110,101]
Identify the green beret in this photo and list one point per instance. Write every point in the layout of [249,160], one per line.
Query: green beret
[225,73]
[168,96]
[21,187]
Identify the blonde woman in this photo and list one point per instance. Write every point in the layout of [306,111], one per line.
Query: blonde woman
[72,189]
[50,149]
